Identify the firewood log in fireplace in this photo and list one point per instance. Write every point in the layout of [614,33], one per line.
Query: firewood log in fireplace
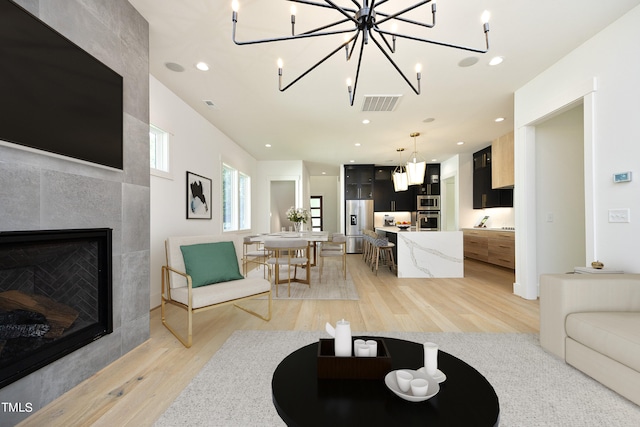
[59,316]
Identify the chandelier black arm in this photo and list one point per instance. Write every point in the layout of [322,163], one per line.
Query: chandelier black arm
[342,11]
[328,26]
[411,21]
[470,49]
[353,39]
[285,38]
[384,52]
[327,6]
[408,9]
[352,95]
[391,48]
[309,70]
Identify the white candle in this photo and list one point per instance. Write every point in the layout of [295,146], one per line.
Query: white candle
[430,358]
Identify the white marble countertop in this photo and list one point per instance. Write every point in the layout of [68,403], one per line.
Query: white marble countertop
[428,254]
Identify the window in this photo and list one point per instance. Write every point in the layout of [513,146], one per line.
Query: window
[316,213]
[236,199]
[159,151]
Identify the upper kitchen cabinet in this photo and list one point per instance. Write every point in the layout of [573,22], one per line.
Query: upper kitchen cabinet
[502,165]
[358,182]
[484,196]
[386,199]
[431,184]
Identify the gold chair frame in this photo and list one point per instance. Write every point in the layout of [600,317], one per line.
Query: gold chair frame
[277,248]
[166,298]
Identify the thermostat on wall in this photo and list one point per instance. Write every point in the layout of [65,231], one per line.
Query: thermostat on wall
[622,177]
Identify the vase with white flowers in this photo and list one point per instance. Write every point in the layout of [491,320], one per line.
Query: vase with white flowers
[298,216]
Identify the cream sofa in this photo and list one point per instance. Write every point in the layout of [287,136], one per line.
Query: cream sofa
[592,321]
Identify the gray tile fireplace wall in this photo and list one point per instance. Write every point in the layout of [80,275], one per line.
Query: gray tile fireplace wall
[39,191]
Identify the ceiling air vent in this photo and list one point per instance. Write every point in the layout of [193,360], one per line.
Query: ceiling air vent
[380,102]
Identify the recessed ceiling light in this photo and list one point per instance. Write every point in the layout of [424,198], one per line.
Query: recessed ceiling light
[174,67]
[357,144]
[267,145]
[499,119]
[324,173]
[469,61]
[434,160]
[202,66]
[428,120]
[366,122]
[352,161]
[496,60]
[460,142]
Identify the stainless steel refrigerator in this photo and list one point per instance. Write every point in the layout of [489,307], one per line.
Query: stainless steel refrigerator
[358,217]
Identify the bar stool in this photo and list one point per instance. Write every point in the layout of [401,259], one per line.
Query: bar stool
[368,246]
[384,252]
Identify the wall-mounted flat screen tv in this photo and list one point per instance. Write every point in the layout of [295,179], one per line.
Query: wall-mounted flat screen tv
[54,96]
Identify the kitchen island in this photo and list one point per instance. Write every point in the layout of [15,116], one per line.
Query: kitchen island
[430,254]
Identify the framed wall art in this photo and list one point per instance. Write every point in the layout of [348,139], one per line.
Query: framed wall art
[198,196]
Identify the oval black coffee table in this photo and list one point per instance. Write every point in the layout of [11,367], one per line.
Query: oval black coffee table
[465,399]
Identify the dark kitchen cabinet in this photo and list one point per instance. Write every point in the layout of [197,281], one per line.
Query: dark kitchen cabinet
[431,184]
[358,182]
[386,199]
[484,196]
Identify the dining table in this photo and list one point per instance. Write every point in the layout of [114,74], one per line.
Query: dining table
[312,238]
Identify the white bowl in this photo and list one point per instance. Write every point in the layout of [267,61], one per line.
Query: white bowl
[392,383]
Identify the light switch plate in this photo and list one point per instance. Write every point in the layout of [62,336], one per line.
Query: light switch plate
[619,215]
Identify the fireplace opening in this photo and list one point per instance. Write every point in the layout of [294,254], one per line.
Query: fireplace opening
[55,296]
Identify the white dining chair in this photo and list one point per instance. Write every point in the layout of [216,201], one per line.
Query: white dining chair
[336,247]
[288,252]
[253,252]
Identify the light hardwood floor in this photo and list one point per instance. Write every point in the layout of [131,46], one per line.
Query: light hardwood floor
[136,389]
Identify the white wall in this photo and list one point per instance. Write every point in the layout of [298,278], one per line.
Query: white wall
[199,147]
[328,188]
[604,73]
[283,197]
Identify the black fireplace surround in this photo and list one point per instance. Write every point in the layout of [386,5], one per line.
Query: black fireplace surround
[55,296]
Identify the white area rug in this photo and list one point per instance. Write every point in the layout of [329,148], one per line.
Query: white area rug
[332,286]
[534,388]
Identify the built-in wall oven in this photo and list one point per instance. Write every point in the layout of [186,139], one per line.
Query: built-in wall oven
[428,221]
[428,203]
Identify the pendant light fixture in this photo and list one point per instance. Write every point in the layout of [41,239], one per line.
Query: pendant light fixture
[400,182]
[415,167]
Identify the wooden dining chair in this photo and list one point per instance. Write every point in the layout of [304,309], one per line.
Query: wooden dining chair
[290,253]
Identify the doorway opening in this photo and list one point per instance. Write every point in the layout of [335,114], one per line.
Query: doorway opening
[560,192]
[283,196]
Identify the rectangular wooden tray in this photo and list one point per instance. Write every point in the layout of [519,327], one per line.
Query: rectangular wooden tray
[332,367]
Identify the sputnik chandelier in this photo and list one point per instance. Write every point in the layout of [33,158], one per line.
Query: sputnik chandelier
[367,20]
